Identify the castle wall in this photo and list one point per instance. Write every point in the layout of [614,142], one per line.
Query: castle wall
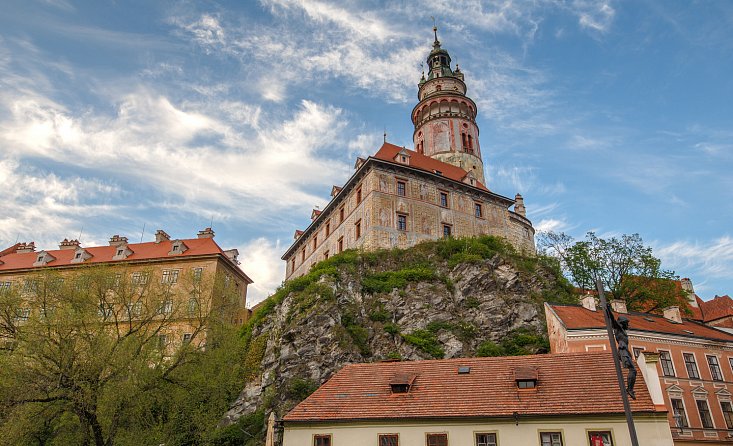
[425,217]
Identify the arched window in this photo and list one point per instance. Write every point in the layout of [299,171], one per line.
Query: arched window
[464,143]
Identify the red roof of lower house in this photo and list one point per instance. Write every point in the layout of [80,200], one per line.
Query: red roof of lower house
[388,152]
[567,384]
[576,317]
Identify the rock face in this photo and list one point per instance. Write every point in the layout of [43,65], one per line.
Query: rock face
[349,313]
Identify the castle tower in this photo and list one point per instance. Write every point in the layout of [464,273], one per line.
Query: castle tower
[445,118]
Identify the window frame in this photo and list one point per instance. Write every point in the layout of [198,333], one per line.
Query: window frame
[685,356]
[170,276]
[322,437]
[396,436]
[428,435]
[717,367]
[727,415]
[478,210]
[449,228]
[443,195]
[684,412]
[342,213]
[401,187]
[588,433]
[551,432]
[402,222]
[341,244]
[359,196]
[494,433]
[708,413]
[662,363]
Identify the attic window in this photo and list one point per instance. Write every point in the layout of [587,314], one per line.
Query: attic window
[464,370]
[404,159]
[437,172]
[648,319]
[689,331]
[402,383]
[120,252]
[526,377]
[78,255]
[40,259]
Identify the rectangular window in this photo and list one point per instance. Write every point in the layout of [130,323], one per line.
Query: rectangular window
[325,255]
[140,278]
[328,228]
[341,244]
[193,306]
[678,413]
[715,371]
[292,265]
[357,229]
[322,440]
[187,338]
[22,314]
[444,199]
[401,190]
[166,307]
[477,210]
[485,439]
[600,438]
[4,287]
[727,413]
[170,276]
[315,242]
[551,439]
[358,195]
[691,366]
[437,439]
[162,341]
[341,215]
[197,273]
[637,351]
[389,440]
[302,255]
[446,231]
[402,222]
[666,360]
[707,421]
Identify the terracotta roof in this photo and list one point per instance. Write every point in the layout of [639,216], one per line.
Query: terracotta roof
[104,254]
[718,307]
[419,161]
[575,317]
[568,384]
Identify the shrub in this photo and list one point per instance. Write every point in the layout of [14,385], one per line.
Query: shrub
[385,282]
[392,328]
[425,341]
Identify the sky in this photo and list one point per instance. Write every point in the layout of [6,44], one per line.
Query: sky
[123,117]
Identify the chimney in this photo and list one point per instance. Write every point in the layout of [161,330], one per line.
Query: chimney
[206,233]
[673,314]
[26,247]
[647,362]
[161,236]
[69,244]
[116,240]
[589,302]
[619,306]
[690,291]
[519,205]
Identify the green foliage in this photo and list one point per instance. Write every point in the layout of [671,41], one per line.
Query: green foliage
[426,341]
[379,314]
[392,328]
[300,389]
[359,335]
[626,267]
[519,342]
[253,356]
[249,430]
[472,302]
[385,282]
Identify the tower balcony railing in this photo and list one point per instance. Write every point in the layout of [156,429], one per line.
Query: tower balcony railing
[457,114]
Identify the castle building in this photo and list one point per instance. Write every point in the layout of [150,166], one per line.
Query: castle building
[399,197]
[186,268]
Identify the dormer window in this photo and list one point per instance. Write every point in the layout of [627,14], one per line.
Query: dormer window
[122,252]
[526,377]
[402,383]
[43,258]
[77,255]
[40,258]
[178,247]
[80,255]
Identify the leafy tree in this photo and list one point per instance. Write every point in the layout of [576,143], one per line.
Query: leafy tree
[97,357]
[627,268]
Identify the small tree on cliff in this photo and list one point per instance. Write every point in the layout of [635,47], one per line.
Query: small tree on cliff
[625,265]
[83,353]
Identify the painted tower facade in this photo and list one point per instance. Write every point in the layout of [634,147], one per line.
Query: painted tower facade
[445,118]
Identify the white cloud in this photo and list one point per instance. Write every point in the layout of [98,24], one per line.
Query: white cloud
[710,259]
[261,262]
[594,14]
[551,224]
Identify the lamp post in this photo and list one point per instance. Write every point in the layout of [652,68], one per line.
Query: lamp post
[612,325]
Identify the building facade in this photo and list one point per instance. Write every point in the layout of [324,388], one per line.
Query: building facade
[400,197]
[695,366]
[179,266]
[543,400]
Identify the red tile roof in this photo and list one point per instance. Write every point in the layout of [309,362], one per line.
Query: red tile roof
[419,161]
[575,317]
[104,254]
[568,384]
[718,307]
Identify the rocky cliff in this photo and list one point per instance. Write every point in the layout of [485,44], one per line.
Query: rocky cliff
[443,299]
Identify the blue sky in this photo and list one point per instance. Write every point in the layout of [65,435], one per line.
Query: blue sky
[607,116]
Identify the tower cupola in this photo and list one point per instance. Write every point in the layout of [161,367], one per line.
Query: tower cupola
[445,118]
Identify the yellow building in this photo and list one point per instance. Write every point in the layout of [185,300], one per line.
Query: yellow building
[189,271]
[543,400]
[399,197]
